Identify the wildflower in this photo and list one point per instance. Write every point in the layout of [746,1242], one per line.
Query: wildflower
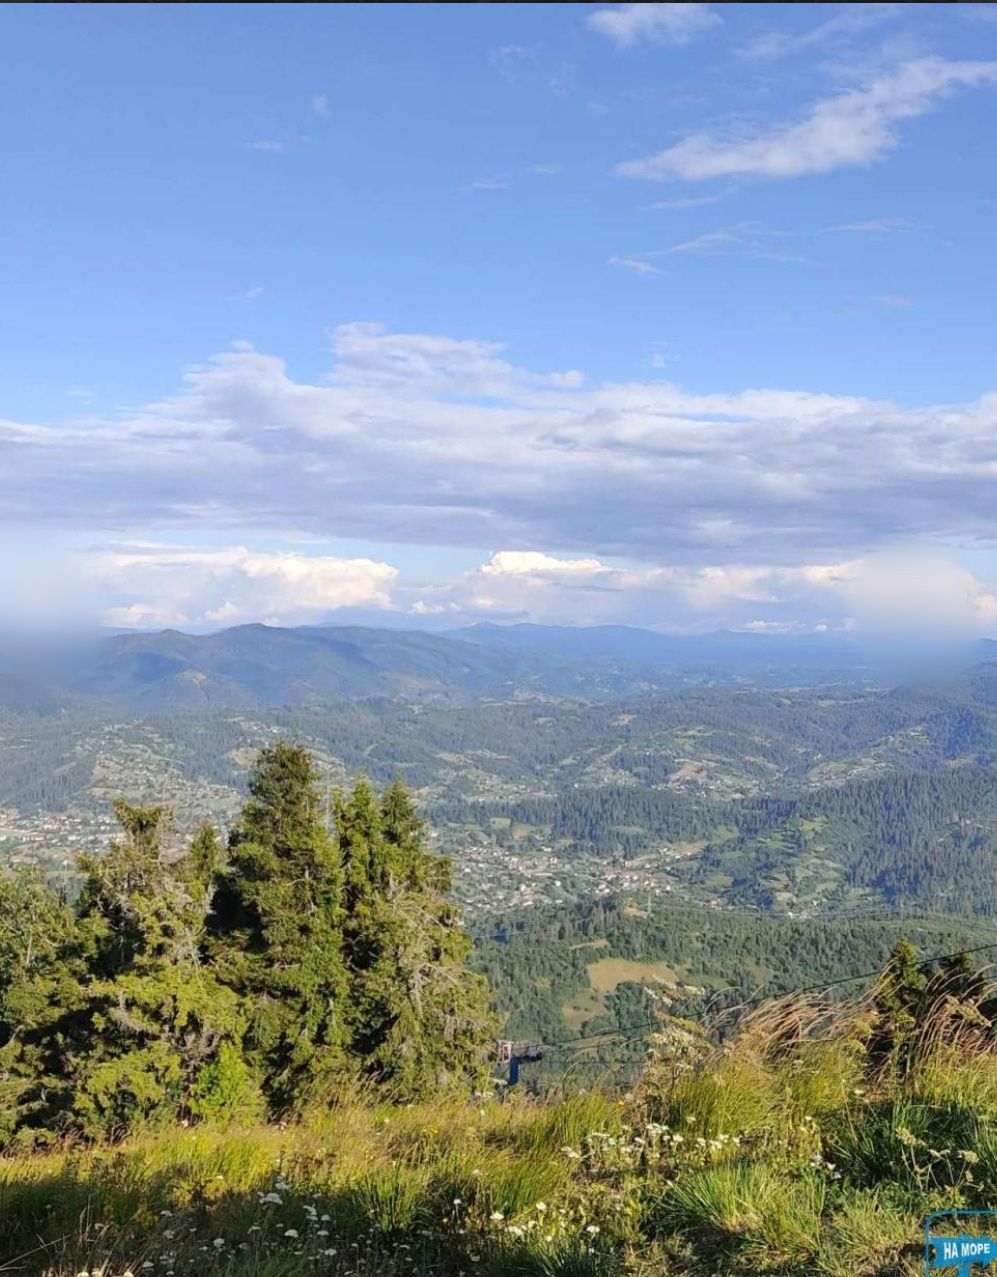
[271,1199]
[541,1207]
[290,1232]
[218,1243]
[322,1232]
[592,1229]
[968,1155]
[496,1217]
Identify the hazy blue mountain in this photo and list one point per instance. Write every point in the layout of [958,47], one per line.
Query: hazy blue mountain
[254,666]
[260,666]
[629,644]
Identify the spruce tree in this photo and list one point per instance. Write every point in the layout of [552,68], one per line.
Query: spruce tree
[150,1021]
[39,986]
[276,930]
[420,1019]
[897,1000]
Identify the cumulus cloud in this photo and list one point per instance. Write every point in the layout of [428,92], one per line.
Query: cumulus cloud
[157,586]
[435,440]
[898,591]
[627,24]
[853,128]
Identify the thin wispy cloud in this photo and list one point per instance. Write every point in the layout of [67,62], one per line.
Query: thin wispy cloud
[635,264]
[628,24]
[320,105]
[267,145]
[487,184]
[688,201]
[894,301]
[852,20]
[747,239]
[875,226]
[854,128]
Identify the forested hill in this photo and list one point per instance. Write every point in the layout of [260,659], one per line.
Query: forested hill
[592,977]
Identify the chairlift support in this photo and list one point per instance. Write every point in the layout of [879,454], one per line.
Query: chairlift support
[516,1053]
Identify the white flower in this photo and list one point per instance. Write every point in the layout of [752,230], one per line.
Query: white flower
[592,1229]
[271,1199]
[291,1232]
[541,1207]
[322,1232]
[496,1217]
[218,1243]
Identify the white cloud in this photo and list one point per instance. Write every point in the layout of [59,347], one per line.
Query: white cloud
[626,24]
[853,128]
[159,586]
[875,226]
[853,19]
[889,591]
[688,201]
[320,105]
[635,264]
[748,239]
[487,184]
[439,441]
[267,146]
[893,301]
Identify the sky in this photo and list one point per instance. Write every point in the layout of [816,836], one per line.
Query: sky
[669,315]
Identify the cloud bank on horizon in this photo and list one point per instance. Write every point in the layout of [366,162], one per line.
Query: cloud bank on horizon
[611,501]
[763,400]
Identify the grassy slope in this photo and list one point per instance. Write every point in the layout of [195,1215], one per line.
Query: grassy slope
[780,1153]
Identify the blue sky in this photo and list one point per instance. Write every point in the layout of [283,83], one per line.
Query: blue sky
[672,314]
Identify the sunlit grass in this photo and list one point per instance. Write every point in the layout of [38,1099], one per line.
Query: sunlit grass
[781,1152]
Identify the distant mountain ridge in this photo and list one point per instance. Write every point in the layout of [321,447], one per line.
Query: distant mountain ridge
[260,666]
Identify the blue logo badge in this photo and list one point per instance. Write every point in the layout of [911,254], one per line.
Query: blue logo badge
[947,1244]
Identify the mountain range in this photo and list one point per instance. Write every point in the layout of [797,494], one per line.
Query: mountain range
[259,666]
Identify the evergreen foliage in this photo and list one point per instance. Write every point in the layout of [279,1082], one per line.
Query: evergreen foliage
[205,983]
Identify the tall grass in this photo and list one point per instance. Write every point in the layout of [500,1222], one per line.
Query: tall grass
[785,1151]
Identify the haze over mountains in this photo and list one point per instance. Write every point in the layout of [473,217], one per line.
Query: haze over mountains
[260,666]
